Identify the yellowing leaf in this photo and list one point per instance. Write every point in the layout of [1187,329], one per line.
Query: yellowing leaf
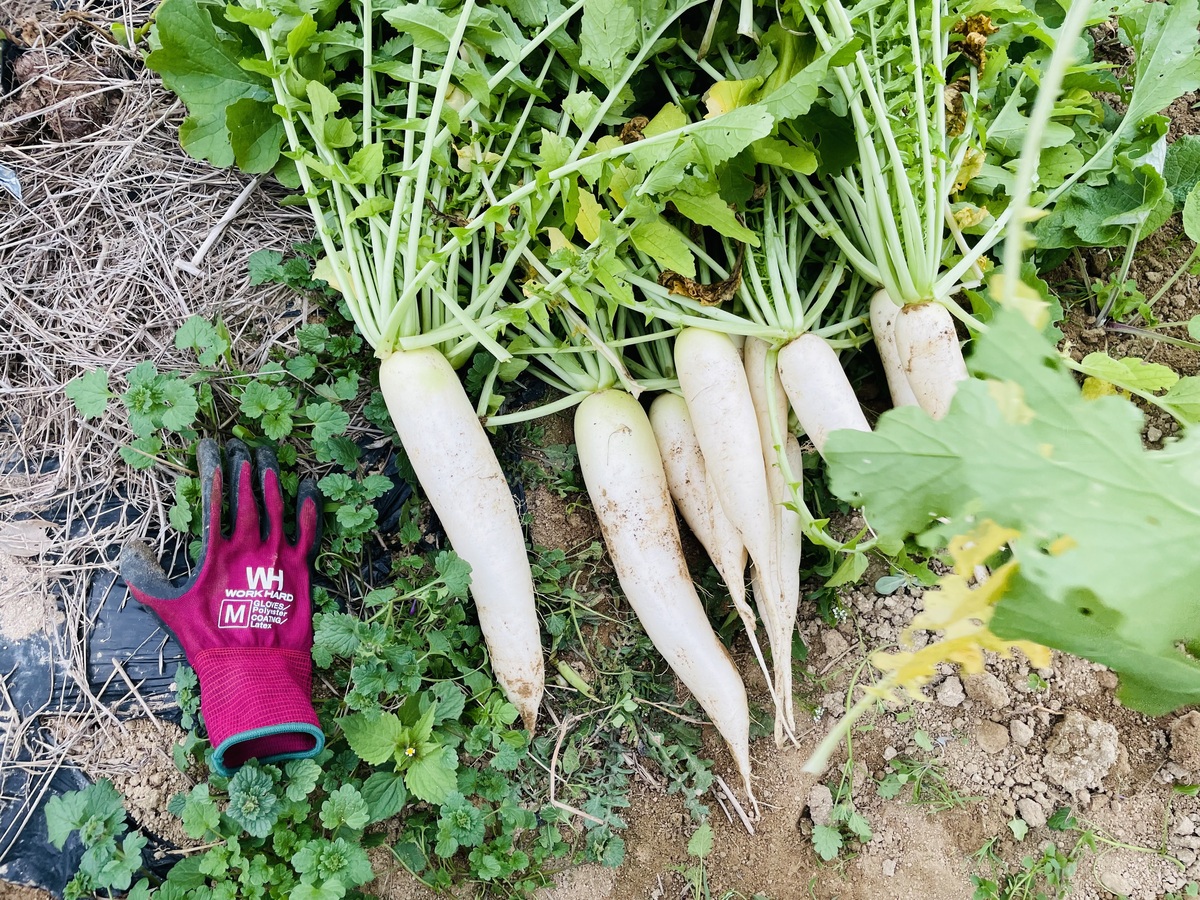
[1016,294]
[972,165]
[970,216]
[962,614]
[1010,400]
[622,180]
[669,118]
[974,549]
[588,220]
[1095,388]
[726,95]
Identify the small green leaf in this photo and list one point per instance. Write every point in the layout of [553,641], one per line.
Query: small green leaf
[90,393]
[849,571]
[142,453]
[375,739]
[252,801]
[345,806]
[827,841]
[302,778]
[432,777]
[1191,214]
[385,794]
[701,842]
[1019,828]
[327,420]
[264,266]
[200,814]
[455,572]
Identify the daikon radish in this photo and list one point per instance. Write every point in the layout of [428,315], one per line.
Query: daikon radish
[621,467]
[930,354]
[458,471]
[883,330]
[818,389]
[697,501]
[713,381]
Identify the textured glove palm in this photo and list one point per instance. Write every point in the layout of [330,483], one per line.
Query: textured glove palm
[244,618]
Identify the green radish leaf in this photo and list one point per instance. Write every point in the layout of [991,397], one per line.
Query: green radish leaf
[770,151]
[712,211]
[609,31]
[1191,214]
[665,245]
[90,394]
[1019,828]
[1181,170]
[1193,328]
[255,135]
[1023,448]
[1184,398]
[1130,372]
[301,36]
[204,70]
[1166,64]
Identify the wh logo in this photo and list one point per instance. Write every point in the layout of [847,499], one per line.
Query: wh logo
[235,614]
[264,578]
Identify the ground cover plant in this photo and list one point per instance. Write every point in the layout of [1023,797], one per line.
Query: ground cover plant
[503,189]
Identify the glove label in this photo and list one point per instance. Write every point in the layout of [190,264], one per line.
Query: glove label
[263,603]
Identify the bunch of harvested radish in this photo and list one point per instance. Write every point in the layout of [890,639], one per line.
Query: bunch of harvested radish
[626,479]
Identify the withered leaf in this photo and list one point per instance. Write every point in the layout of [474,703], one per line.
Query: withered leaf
[708,294]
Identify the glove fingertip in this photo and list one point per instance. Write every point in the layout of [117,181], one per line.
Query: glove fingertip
[142,573]
[308,516]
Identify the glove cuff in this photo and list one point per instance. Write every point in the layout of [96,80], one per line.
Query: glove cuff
[257,704]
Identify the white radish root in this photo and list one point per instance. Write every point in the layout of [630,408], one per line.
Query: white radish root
[697,501]
[770,407]
[714,384]
[624,475]
[454,461]
[883,329]
[818,389]
[930,354]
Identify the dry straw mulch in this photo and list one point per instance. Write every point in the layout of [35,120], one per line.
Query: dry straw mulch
[94,273]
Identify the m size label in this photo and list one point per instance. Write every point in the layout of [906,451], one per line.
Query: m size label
[263,603]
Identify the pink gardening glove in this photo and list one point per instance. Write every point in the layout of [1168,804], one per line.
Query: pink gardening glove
[244,618]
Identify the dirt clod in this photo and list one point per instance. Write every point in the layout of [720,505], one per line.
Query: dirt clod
[992,737]
[985,688]
[1021,732]
[1185,741]
[950,692]
[1080,752]
[820,804]
[1031,812]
